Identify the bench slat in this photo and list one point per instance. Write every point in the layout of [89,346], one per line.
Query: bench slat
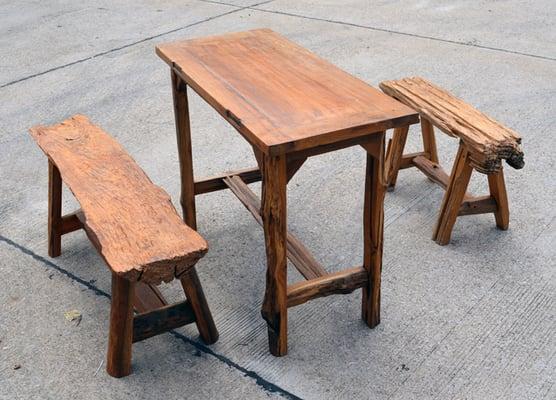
[487,141]
[131,221]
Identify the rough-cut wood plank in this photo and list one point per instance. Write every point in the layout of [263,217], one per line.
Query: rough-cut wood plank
[297,253]
[477,205]
[161,320]
[214,183]
[454,196]
[275,303]
[395,155]
[131,222]
[497,188]
[278,95]
[339,282]
[120,336]
[429,141]
[487,141]
[373,230]
[54,211]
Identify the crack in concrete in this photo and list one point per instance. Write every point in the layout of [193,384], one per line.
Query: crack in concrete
[374,28]
[254,7]
[125,46]
[266,385]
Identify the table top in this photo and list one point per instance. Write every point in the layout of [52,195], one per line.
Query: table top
[280,96]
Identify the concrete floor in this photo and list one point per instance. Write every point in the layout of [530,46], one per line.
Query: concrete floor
[472,320]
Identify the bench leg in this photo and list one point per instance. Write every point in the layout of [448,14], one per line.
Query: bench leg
[395,154]
[203,318]
[498,191]
[120,336]
[455,193]
[429,141]
[54,211]
[373,227]
[275,303]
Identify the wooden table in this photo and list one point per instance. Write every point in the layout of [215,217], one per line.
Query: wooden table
[289,105]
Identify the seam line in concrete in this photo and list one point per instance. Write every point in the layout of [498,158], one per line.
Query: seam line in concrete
[373,28]
[266,385]
[125,46]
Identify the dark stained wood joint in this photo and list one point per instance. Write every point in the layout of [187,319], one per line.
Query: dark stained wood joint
[179,83]
[162,320]
[71,222]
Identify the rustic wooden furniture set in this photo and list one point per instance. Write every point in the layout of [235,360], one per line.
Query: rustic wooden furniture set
[484,143]
[289,105]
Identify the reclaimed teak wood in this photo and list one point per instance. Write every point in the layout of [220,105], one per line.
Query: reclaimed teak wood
[484,143]
[135,228]
[289,105]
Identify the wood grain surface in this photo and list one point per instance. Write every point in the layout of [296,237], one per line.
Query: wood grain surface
[278,95]
[131,221]
[487,141]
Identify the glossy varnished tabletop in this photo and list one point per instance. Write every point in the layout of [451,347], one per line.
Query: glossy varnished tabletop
[280,96]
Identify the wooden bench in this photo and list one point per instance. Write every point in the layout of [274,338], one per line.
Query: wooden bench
[484,143]
[135,228]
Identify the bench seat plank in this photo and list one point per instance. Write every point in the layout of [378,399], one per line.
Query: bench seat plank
[487,141]
[131,221]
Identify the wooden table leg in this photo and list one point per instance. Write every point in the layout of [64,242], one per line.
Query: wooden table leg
[373,227]
[190,281]
[275,304]
[183,132]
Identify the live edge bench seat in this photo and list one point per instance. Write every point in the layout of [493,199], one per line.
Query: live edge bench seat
[130,221]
